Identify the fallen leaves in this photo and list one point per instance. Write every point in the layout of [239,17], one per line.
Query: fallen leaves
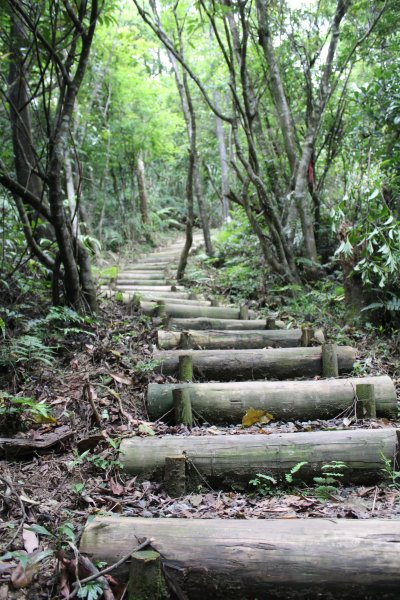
[254,416]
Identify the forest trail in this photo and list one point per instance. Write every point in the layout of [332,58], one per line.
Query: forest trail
[224,364]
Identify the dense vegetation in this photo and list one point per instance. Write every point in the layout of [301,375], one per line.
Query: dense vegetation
[280,121]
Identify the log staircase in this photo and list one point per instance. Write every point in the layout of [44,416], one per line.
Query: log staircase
[241,362]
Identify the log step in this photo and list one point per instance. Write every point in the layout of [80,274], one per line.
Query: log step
[140,275]
[138,281]
[131,289]
[285,400]
[140,299]
[221,312]
[225,459]
[246,559]
[275,363]
[204,323]
[214,339]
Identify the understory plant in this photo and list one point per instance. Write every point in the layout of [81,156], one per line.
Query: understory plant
[325,484]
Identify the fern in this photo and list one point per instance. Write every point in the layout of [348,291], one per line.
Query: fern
[26,349]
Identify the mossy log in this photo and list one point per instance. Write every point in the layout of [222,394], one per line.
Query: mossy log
[139,282]
[141,275]
[221,312]
[170,299]
[259,558]
[154,294]
[285,400]
[150,288]
[213,340]
[275,363]
[226,459]
[144,267]
[219,324]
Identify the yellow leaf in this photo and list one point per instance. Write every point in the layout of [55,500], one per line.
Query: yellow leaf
[253,416]
[45,419]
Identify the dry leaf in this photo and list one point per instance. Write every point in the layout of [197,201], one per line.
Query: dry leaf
[31,540]
[21,577]
[253,416]
[116,488]
[196,500]
[144,428]
[121,379]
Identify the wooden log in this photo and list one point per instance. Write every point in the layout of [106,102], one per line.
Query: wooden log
[159,289]
[279,559]
[182,406]
[214,339]
[276,363]
[140,282]
[146,579]
[220,324]
[285,400]
[310,336]
[226,459]
[21,447]
[243,312]
[154,295]
[214,302]
[330,364]
[366,400]
[175,475]
[170,299]
[160,310]
[173,310]
[141,275]
[144,267]
[185,368]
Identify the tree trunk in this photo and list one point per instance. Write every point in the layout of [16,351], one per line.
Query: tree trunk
[219,130]
[280,559]
[205,223]
[143,198]
[277,363]
[238,458]
[285,400]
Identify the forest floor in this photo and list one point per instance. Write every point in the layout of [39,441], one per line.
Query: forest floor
[94,389]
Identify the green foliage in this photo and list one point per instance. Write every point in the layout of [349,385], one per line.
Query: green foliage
[144,367]
[99,462]
[17,405]
[26,350]
[236,266]
[264,484]
[390,472]
[327,483]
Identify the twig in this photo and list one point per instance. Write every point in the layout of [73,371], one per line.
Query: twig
[374,502]
[78,584]
[9,484]
[90,394]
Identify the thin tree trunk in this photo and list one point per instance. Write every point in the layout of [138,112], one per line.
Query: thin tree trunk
[189,219]
[219,130]
[198,190]
[143,198]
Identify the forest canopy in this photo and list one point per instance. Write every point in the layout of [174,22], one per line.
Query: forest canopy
[277,121]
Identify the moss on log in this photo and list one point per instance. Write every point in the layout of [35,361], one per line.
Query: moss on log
[214,339]
[246,559]
[228,458]
[173,310]
[285,400]
[203,323]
